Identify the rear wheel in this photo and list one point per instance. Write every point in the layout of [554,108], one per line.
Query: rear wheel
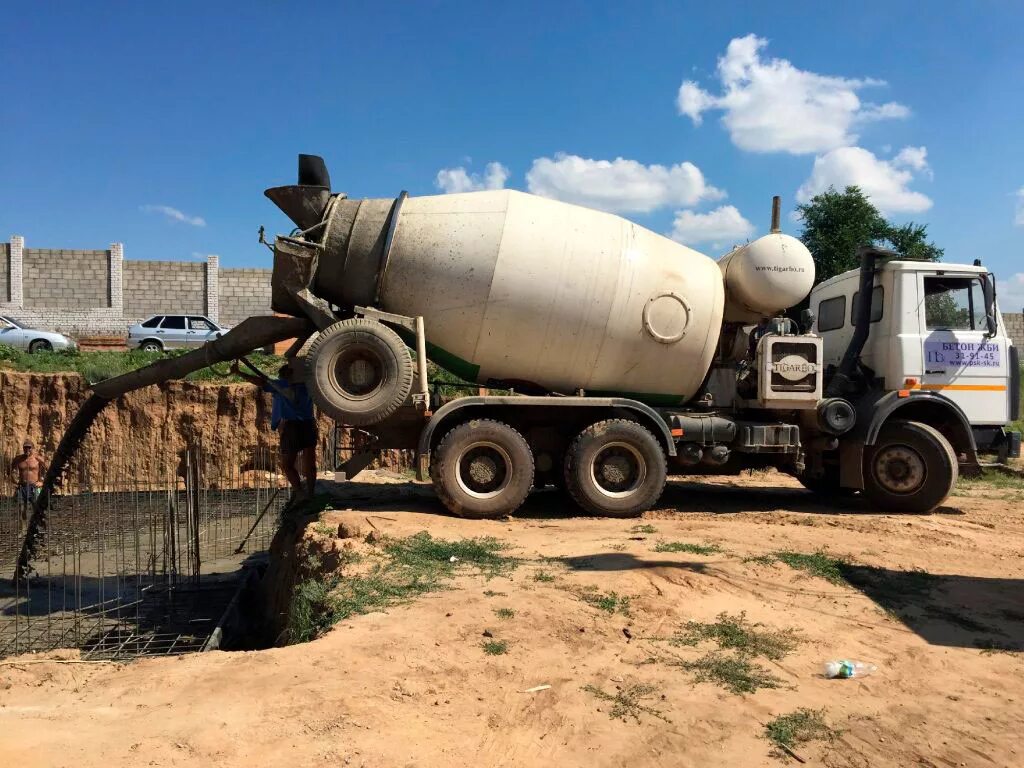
[360,371]
[615,468]
[40,345]
[482,468]
[911,468]
[151,346]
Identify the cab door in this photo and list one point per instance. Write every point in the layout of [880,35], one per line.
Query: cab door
[962,360]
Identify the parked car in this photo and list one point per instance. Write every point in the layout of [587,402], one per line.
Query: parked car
[162,332]
[16,335]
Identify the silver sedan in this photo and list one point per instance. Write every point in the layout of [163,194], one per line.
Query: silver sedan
[162,332]
[17,335]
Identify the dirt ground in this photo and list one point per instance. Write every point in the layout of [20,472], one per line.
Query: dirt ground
[934,601]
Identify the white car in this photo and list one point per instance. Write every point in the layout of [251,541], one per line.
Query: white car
[162,332]
[14,334]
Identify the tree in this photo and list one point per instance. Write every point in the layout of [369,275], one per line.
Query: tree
[837,223]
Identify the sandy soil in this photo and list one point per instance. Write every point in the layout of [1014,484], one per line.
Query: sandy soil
[413,687]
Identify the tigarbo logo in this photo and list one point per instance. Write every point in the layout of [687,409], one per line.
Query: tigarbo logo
[793,367]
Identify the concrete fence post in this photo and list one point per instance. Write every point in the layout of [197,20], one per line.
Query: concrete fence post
[213,287]
[16,273]
[115,274]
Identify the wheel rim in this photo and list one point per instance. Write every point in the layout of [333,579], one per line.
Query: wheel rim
[618,470]
[900,469]
[357,373]
[483,470]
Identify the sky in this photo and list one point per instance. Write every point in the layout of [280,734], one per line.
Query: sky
[159,125]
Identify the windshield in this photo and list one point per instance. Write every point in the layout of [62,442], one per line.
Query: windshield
[15,323]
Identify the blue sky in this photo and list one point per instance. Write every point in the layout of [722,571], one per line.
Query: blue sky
[119,117]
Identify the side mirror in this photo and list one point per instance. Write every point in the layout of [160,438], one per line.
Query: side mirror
[807,320]
[988,286]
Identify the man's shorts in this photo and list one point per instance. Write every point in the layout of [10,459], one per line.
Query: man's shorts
[26,493]
[297,436]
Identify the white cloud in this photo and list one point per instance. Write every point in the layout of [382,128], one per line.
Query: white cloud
[1018,219]
[885,182]
[460,180]
[722,225]
[619,185]
[914,158]
[174,214]
[1010,293]
[769,105]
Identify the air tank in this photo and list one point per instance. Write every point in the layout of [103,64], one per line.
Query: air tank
[518,288]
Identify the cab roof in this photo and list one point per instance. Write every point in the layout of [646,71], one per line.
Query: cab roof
[896,265]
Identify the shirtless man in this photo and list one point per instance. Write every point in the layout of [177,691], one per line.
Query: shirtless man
[29,469]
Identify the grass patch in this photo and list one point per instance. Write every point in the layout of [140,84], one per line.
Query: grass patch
[609,603]
[734,672]
[761,559]
[738,634]
[105,364]
[492,593]
[731,664]
[628,702]
[799,727]
[504,613]
[818,564]
[407,569]
[544,577]
[1009,486]
[684,546]
[312,609]
[645,528]
[495,647]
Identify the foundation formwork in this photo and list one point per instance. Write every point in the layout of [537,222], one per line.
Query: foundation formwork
[140,565]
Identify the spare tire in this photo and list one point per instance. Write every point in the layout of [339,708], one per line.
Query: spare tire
[359,371]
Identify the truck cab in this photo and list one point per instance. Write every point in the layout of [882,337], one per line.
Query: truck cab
[934,329]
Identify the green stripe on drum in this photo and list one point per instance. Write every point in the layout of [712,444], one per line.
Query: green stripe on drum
[461,368]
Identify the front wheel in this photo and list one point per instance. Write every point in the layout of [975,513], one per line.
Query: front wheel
[482,468]
[615,468]
[911,468]
[40,345]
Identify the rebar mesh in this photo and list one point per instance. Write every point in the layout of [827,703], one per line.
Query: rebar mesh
[138,562]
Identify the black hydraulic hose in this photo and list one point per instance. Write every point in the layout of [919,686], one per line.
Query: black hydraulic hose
[250,334]
[842,381]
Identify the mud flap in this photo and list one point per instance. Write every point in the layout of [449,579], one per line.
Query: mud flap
[851,464]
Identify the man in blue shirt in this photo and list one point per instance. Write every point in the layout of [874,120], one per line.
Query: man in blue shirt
[292,417]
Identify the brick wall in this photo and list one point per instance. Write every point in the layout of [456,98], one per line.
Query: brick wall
[1014,322]
[66,279]
[152,287]
[243,293]
[5,290]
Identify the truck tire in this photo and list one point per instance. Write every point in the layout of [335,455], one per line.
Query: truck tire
[482,468]
[359,371]
[911,468]
[615,468]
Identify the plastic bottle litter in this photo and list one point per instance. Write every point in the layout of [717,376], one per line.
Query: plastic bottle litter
[843,669]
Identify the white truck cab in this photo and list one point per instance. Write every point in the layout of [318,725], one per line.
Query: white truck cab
[930,332]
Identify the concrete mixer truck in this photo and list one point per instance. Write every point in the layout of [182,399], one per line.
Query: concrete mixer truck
[630,353]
